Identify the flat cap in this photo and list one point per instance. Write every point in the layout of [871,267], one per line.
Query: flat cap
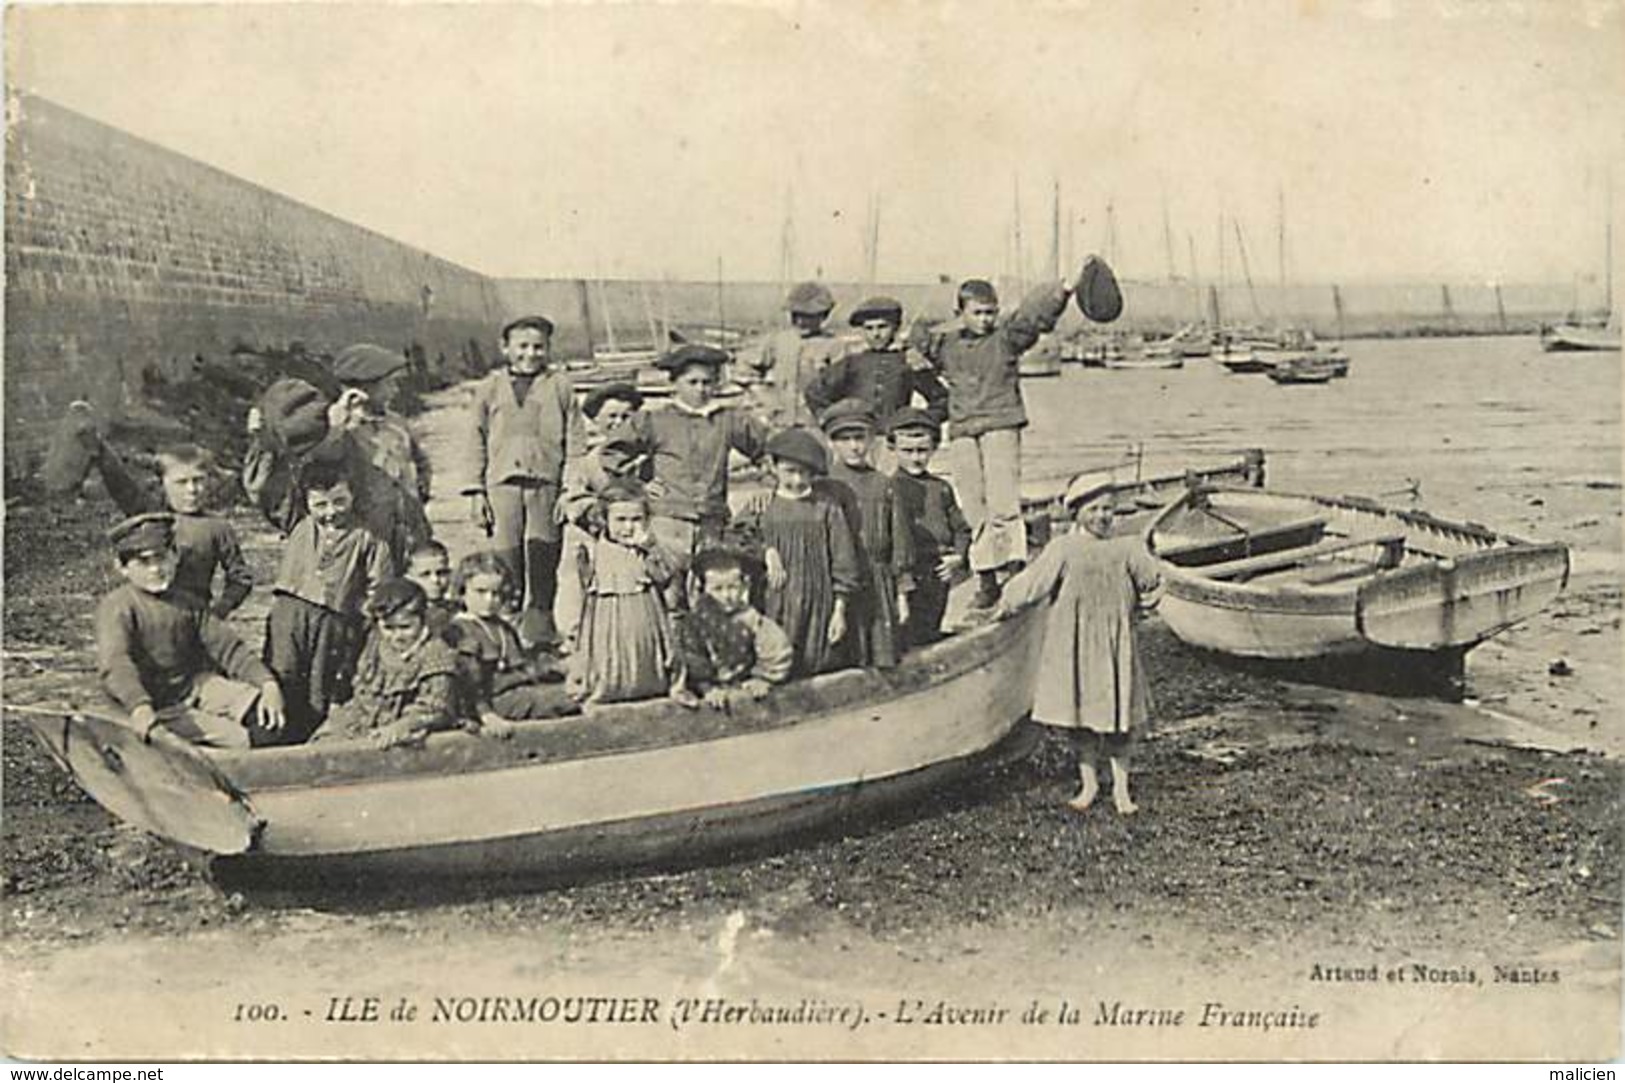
[618,392]
[913,419]
[877,308]
[809,299]
[692,353]
[799,446]
[535,323]
[845,415]
[394,596]
[143,533]
[363,363]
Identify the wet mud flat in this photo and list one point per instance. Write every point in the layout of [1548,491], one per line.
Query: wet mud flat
[1268,805]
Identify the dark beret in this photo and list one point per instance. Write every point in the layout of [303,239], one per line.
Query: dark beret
[624,392]
[294,415]
[799,446]
[809,299]
[1096,292]
[363,363]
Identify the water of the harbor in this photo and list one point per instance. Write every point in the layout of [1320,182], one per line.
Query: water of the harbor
[1492,429]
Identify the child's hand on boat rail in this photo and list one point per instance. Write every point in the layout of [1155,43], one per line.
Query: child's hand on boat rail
[270,710]
[144,720]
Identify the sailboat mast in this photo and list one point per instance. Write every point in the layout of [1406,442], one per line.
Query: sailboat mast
[1280,235]
[1168,241]
[1021,261]
[1055,232]
[1246,270]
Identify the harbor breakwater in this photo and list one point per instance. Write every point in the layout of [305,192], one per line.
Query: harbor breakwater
[123,258]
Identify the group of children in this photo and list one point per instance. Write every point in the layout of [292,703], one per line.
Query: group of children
[846,561]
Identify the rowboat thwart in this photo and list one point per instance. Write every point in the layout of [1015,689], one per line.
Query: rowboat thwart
[1264,574]
[625,786]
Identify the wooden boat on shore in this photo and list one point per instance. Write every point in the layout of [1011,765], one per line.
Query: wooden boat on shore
[1263,574]
[1138,484]
[625,786]
[1036,365]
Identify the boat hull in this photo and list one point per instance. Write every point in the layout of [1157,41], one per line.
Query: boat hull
[1568,339]
[621,786]
[1456,585]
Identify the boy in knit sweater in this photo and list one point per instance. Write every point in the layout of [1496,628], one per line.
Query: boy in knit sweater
[527,428]
[168,663]
[977,355]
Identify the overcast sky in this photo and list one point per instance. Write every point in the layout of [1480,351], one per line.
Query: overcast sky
[1468,139]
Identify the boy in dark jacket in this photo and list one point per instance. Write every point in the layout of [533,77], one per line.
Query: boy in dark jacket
[940,534]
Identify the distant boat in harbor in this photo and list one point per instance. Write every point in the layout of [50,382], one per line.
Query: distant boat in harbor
[1304,369]
[1574,337]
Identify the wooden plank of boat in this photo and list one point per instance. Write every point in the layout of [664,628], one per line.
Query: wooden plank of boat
[1461,602]
[629,784]
[167,787]
[1455,585]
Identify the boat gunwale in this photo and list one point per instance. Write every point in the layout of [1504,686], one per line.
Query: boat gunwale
[623,728]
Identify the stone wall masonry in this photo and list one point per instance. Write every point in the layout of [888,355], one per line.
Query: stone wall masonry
[122,256]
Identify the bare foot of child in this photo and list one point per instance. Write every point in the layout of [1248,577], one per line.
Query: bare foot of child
[1086,795]
[1121,799]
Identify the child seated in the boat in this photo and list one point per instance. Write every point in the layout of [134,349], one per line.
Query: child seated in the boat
[406,680]
[940,534]
[501,683]
[809,550]
[166,661]
[623,643]
[429,566]
[316,627]
[1091,681]
[730,651]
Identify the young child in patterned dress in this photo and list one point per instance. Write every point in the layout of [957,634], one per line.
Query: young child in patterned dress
[730,651]
[501,683]
[405,683]
[623,644]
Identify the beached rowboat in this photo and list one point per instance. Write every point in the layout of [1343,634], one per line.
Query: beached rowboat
[1263,574]
[625,786]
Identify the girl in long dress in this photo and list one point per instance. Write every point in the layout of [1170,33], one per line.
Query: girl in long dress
[812,563]
[1091,681]
[624,648]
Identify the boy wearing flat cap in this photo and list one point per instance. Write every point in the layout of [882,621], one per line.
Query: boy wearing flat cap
[528,434]
[977,356]
[880,374]
[372,377]
[792,358]
[169,663]
[885,547]
[685,448]
[938,528]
